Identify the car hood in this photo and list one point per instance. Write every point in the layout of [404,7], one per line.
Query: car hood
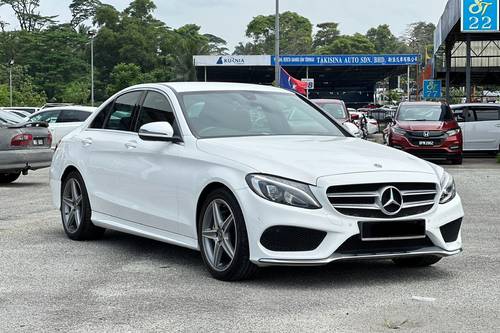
[307,158]
[425,125]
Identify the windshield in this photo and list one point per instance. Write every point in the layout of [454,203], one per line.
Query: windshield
[424,113]
[245,113]
[9,118]
[335,110]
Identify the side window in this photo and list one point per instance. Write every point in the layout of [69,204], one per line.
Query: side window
[469,115]
[459,115]
[47,116]
[156,108]
[486,114]
[99,120]
[120,116]
[73,116]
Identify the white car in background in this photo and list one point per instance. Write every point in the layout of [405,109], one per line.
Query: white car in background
[62,120]
[480,125]
[250,175]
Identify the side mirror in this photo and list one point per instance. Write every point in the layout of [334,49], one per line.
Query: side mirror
[388,119]
[354,116]
[158,131]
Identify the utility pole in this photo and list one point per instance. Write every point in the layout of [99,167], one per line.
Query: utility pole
[277,67]
[92,34]
[11,64]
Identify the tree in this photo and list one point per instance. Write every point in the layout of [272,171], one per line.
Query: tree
[295,34]
[327,33]
[124,75]
[141,9]
[28,15]
[24,91]
[355,44]
[384,41]
[77,92]
[420,37]
[83,10]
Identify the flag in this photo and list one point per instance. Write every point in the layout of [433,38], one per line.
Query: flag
[291,83]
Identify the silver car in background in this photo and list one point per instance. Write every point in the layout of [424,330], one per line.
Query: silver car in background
[23,146]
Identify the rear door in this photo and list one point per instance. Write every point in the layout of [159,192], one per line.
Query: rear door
[484,131]
[107,142]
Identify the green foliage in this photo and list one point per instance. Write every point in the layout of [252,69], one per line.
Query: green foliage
[76,92]
[420,37]
[384,41]
[124,75]
[24,92]
[295,35]
[82,10]
[327,33]
[355,44]
[28,15]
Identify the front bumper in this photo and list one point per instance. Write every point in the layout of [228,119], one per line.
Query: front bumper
[450,147]
[25,159]
[260,215]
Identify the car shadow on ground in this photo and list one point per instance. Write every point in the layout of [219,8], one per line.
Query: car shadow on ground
[23,185]
[340,274]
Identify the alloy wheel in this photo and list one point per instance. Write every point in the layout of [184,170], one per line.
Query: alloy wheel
[219,234]
[72,208]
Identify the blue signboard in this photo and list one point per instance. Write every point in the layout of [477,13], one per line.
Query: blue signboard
[432,88]
[480,16]
[349,60]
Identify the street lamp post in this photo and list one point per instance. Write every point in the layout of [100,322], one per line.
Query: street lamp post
[11,64]
[92,34]
[277,68]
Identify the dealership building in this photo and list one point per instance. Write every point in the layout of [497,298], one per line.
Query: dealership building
[351,78]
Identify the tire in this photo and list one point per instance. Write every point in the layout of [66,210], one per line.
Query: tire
[7,178]
[76,221]
[457,161]
[228,237]
[422,261]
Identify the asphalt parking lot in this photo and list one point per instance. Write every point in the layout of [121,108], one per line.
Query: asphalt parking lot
[126,283]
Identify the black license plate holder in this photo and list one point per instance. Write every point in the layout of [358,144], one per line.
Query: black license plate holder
[392,230]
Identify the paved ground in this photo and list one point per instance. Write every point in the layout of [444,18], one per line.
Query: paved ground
[125,283]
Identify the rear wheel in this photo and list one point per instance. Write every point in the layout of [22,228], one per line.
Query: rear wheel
[222,238]
[76,211]
[7,178]
[422,261]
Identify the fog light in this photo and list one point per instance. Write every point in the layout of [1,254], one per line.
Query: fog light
[455,147]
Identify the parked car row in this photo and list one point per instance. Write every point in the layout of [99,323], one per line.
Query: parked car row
[27,141]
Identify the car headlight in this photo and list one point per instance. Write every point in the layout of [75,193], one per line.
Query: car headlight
[448,188]
[453,132]
[283,191]
[399,130]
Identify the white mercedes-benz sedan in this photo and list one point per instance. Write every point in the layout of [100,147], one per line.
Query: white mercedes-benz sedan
[250,176]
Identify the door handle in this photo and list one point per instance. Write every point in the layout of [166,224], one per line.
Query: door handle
[497,125]
[86,142]
[131,145]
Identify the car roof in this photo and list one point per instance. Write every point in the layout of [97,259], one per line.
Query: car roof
[475,104]
[326,100]
[183,87]
[89,109]
[421,103]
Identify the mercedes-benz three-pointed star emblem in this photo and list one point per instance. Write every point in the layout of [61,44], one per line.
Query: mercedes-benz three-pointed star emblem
[390,200]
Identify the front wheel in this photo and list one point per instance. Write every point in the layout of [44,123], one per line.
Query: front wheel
[222,238]
[76,211]
[7,178]
[421,261]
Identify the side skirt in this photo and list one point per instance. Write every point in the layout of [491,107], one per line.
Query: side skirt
[114,223]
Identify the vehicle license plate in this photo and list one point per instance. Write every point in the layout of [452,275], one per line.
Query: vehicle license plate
[37,142]
[426,143]
[386,230]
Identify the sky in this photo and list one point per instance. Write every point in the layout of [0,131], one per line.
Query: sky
[228,18]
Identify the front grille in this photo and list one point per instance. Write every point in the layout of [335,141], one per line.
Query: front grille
[425,134]
[438,137]
[355,245]
[363,200]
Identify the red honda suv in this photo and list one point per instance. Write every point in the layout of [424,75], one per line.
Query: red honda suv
[428,130]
